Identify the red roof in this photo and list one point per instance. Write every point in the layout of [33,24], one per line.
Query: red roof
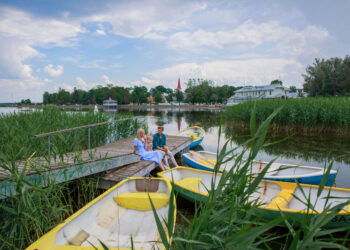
[178,84]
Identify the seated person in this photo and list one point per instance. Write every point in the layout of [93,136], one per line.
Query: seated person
[159,143]
[139,148]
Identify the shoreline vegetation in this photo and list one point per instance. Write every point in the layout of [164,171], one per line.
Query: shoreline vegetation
[226,221]
[323,115]
[34,210]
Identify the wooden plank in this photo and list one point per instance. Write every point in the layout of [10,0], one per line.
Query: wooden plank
[79,164]
[142,168]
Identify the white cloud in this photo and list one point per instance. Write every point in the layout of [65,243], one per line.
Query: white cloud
[20,33]
[148,19]
[250,35]
[100,32]
[236,72]
[81,84]
[52,71]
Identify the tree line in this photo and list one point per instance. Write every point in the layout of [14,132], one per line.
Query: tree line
[330,77]
[197,91]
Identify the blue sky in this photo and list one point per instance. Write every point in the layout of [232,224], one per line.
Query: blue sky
[45,45]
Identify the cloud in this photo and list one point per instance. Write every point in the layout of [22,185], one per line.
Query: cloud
[236,72]
[100,32]
[148,19]
[52,71]
[250,35]
[20,35]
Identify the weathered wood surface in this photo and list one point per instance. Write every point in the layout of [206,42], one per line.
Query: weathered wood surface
[79,164]
[176,145]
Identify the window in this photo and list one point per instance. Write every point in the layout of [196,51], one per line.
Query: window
[270,92]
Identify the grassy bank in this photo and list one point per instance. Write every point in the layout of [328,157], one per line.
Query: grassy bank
[34,210]
[17,139]
[304,115]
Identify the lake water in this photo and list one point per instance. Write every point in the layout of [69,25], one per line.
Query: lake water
[302,150]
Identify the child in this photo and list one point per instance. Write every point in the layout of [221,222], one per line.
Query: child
[148,144]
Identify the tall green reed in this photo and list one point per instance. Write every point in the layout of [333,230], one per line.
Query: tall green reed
[304,115]
[230,219]
[34,209]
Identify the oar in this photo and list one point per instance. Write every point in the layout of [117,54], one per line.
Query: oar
[202,158]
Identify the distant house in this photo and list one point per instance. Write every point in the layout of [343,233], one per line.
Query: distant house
[110,105]
[258,92]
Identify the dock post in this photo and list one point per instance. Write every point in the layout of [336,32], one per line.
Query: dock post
[89,138]
[116,131]
[48,143]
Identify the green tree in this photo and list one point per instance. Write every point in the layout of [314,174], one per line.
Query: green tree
[158,97]
[46,98]
[179,96]
[139,95]
[293,89]
[329,77]
[276,82]
[63,97]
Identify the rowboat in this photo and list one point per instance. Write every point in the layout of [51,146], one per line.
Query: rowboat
[122,212]
[271,196]
[204,160]
[196,133]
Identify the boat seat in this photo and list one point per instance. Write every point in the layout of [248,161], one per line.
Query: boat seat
[193,135]
[140,200]
[206,163]
[189,182]
[283,198]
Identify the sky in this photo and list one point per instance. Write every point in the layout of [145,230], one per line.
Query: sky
[46,45]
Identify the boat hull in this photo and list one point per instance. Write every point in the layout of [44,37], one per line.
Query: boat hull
[196,143]
[312,180]
[278,200]
[188,130]
[122,212]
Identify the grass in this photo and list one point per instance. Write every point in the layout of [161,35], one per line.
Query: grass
[229,219]
[304,115]
[34,210]
[17,139]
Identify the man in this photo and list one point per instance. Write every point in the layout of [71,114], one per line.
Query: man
[159,143]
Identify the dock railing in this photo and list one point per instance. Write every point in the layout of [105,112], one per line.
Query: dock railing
[88,126]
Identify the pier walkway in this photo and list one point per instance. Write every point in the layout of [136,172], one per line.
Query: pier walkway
[75,165]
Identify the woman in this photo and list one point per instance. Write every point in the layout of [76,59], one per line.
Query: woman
[139,148]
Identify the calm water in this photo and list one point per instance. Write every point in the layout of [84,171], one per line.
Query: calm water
[301,150]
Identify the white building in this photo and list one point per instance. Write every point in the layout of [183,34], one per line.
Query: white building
[258,92]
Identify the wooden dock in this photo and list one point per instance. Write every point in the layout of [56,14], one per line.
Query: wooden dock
[88,162]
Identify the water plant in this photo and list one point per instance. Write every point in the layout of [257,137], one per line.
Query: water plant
[229,218]
[304,115]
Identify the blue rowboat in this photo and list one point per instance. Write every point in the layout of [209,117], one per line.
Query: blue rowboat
[196,133]
[204,160]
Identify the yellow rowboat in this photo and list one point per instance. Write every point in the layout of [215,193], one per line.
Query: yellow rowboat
[272,196]
[122,212]
[196,133]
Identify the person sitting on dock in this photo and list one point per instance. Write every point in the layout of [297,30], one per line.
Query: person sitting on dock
[159,144]
[139,148]
[148,144]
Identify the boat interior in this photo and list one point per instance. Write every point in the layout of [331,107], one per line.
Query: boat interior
[272,195]
[123,213]
[195,180]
